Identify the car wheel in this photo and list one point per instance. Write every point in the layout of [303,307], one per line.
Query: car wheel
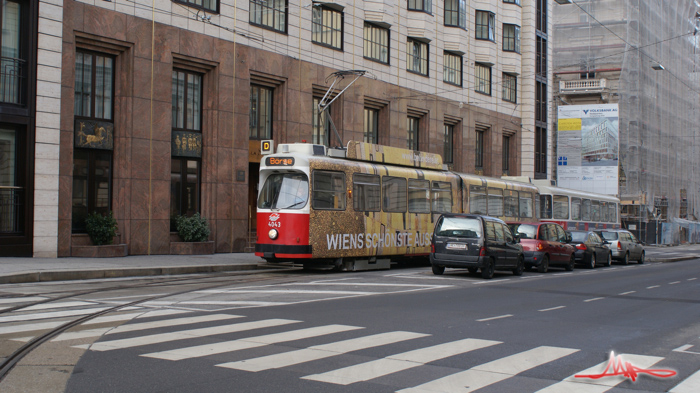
[473,270]
[626,260]
[609,263]
[641,258]
[487,271]
[571,264]
[544,265]
[438,270]
[518,271]
[592,264]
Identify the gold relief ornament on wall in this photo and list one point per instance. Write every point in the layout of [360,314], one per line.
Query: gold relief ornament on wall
[93,134]
[186,144]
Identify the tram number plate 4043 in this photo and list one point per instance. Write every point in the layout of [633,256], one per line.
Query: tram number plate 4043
[456,246]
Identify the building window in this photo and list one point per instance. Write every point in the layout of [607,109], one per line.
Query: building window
[12,67]
[12,193]
[327,27]
[510,88]
[511,38]
[540,102]
[449,144]
[483,79]
[271,14]
[376,45]
[421,5]
[541,15]
[516,2]
[541,57]
[479,149]
[371,126]
[92,165]
[321,125]
[260,117]
[506,155]
[187,101]
[456,13]
[417,56]
[412,126]
[485,25]
[185,177]
[540,152]
[452,69]
[207,5]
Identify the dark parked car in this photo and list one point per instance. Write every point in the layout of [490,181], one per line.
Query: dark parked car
[624,245]
[545,244]
[475,242]
[591,249]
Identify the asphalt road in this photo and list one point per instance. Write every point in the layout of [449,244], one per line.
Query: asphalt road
[407,330]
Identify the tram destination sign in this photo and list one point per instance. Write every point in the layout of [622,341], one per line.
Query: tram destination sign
[279,161]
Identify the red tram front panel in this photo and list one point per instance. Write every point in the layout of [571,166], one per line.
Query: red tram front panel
[292,235]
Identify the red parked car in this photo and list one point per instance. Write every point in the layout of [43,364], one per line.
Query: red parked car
[545,244]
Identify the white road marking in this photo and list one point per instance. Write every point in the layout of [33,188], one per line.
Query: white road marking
[588,385]
[320,351]
[689,385]
[22,299]
[249,342]
[183,335]
[594,299]
[233,303]
[674,283]
[626,293]
[49,306]
[54,314]
[489,373]
[552,309]
[492,318]
[399,362]
[653,286]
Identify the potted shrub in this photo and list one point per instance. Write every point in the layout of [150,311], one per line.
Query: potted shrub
[101,229]
[194,232]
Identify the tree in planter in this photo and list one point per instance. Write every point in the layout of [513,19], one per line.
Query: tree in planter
[193,229]
[101,229]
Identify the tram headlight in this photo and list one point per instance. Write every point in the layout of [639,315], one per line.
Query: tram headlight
[273,234]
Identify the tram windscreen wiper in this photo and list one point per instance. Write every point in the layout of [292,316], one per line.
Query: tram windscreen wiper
[292,205]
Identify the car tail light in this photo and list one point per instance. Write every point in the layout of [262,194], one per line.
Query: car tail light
[581,246]
[482,252]
[432,248]
[540,247]
[619,246]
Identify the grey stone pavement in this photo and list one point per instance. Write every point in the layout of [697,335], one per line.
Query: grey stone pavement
[25,270]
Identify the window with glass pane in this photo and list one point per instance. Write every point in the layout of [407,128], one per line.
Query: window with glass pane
[94,86]
[586,210]
[510,203]
[452,69]
[526,205]
[456,13]
[207,5]
[412,127]
[560,207]
[447,155]
[546,206]
[187,101]
[511,38]
[495,202]
[479,149]
[376,43]
[418,196]
[371,126]
[420,5]
[512,1]
[510,88]
[271,14]
[12,192]
[321,125]
[393,194]
[540,152]
[483,78]
[417,56]
[485,25]
[366,193]
[604,212]
[506,154]
[185,178]
[595,210]
[478,202]
[328,190]
[327,27]
[12,66]
[260,117]
[92,185]
[613,211]
[442,197]
[575,208]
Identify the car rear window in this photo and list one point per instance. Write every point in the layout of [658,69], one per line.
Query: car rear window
[459,227]
[609,235]
[579,237]
[525,231]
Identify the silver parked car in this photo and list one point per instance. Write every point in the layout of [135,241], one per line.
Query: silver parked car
[624,245]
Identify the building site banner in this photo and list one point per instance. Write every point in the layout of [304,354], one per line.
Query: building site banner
[588,148]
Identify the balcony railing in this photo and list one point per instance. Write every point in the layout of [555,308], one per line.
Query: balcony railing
[12,80]
[11,210]
[586,86]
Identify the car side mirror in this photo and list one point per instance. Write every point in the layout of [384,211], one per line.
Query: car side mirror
[568,238]
[516,238]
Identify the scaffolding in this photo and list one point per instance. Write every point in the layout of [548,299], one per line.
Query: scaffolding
[644,56]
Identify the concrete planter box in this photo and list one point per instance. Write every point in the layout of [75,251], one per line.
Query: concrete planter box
[81,246]
[191,248]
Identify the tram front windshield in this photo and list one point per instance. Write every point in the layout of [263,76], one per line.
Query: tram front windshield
[284,191]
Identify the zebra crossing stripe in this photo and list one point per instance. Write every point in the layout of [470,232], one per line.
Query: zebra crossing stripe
[22,299]
[690,385]
[399,362]
[587,385]
[136,326]
[489,373]
[183,335]
[320,351]
[247,343]
[53,314]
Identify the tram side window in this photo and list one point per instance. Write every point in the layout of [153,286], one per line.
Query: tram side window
[366,193]
[328,190]
[510,203]
[613,211]
[560,207]
[442,197]
[477,200]
[545,206]
[418,196]
[604,212]
[595,210]
[394,194]
[575,208]
[586,210]
[526,204]
[495,202]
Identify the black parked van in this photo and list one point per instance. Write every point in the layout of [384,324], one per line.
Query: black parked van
[474,242]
